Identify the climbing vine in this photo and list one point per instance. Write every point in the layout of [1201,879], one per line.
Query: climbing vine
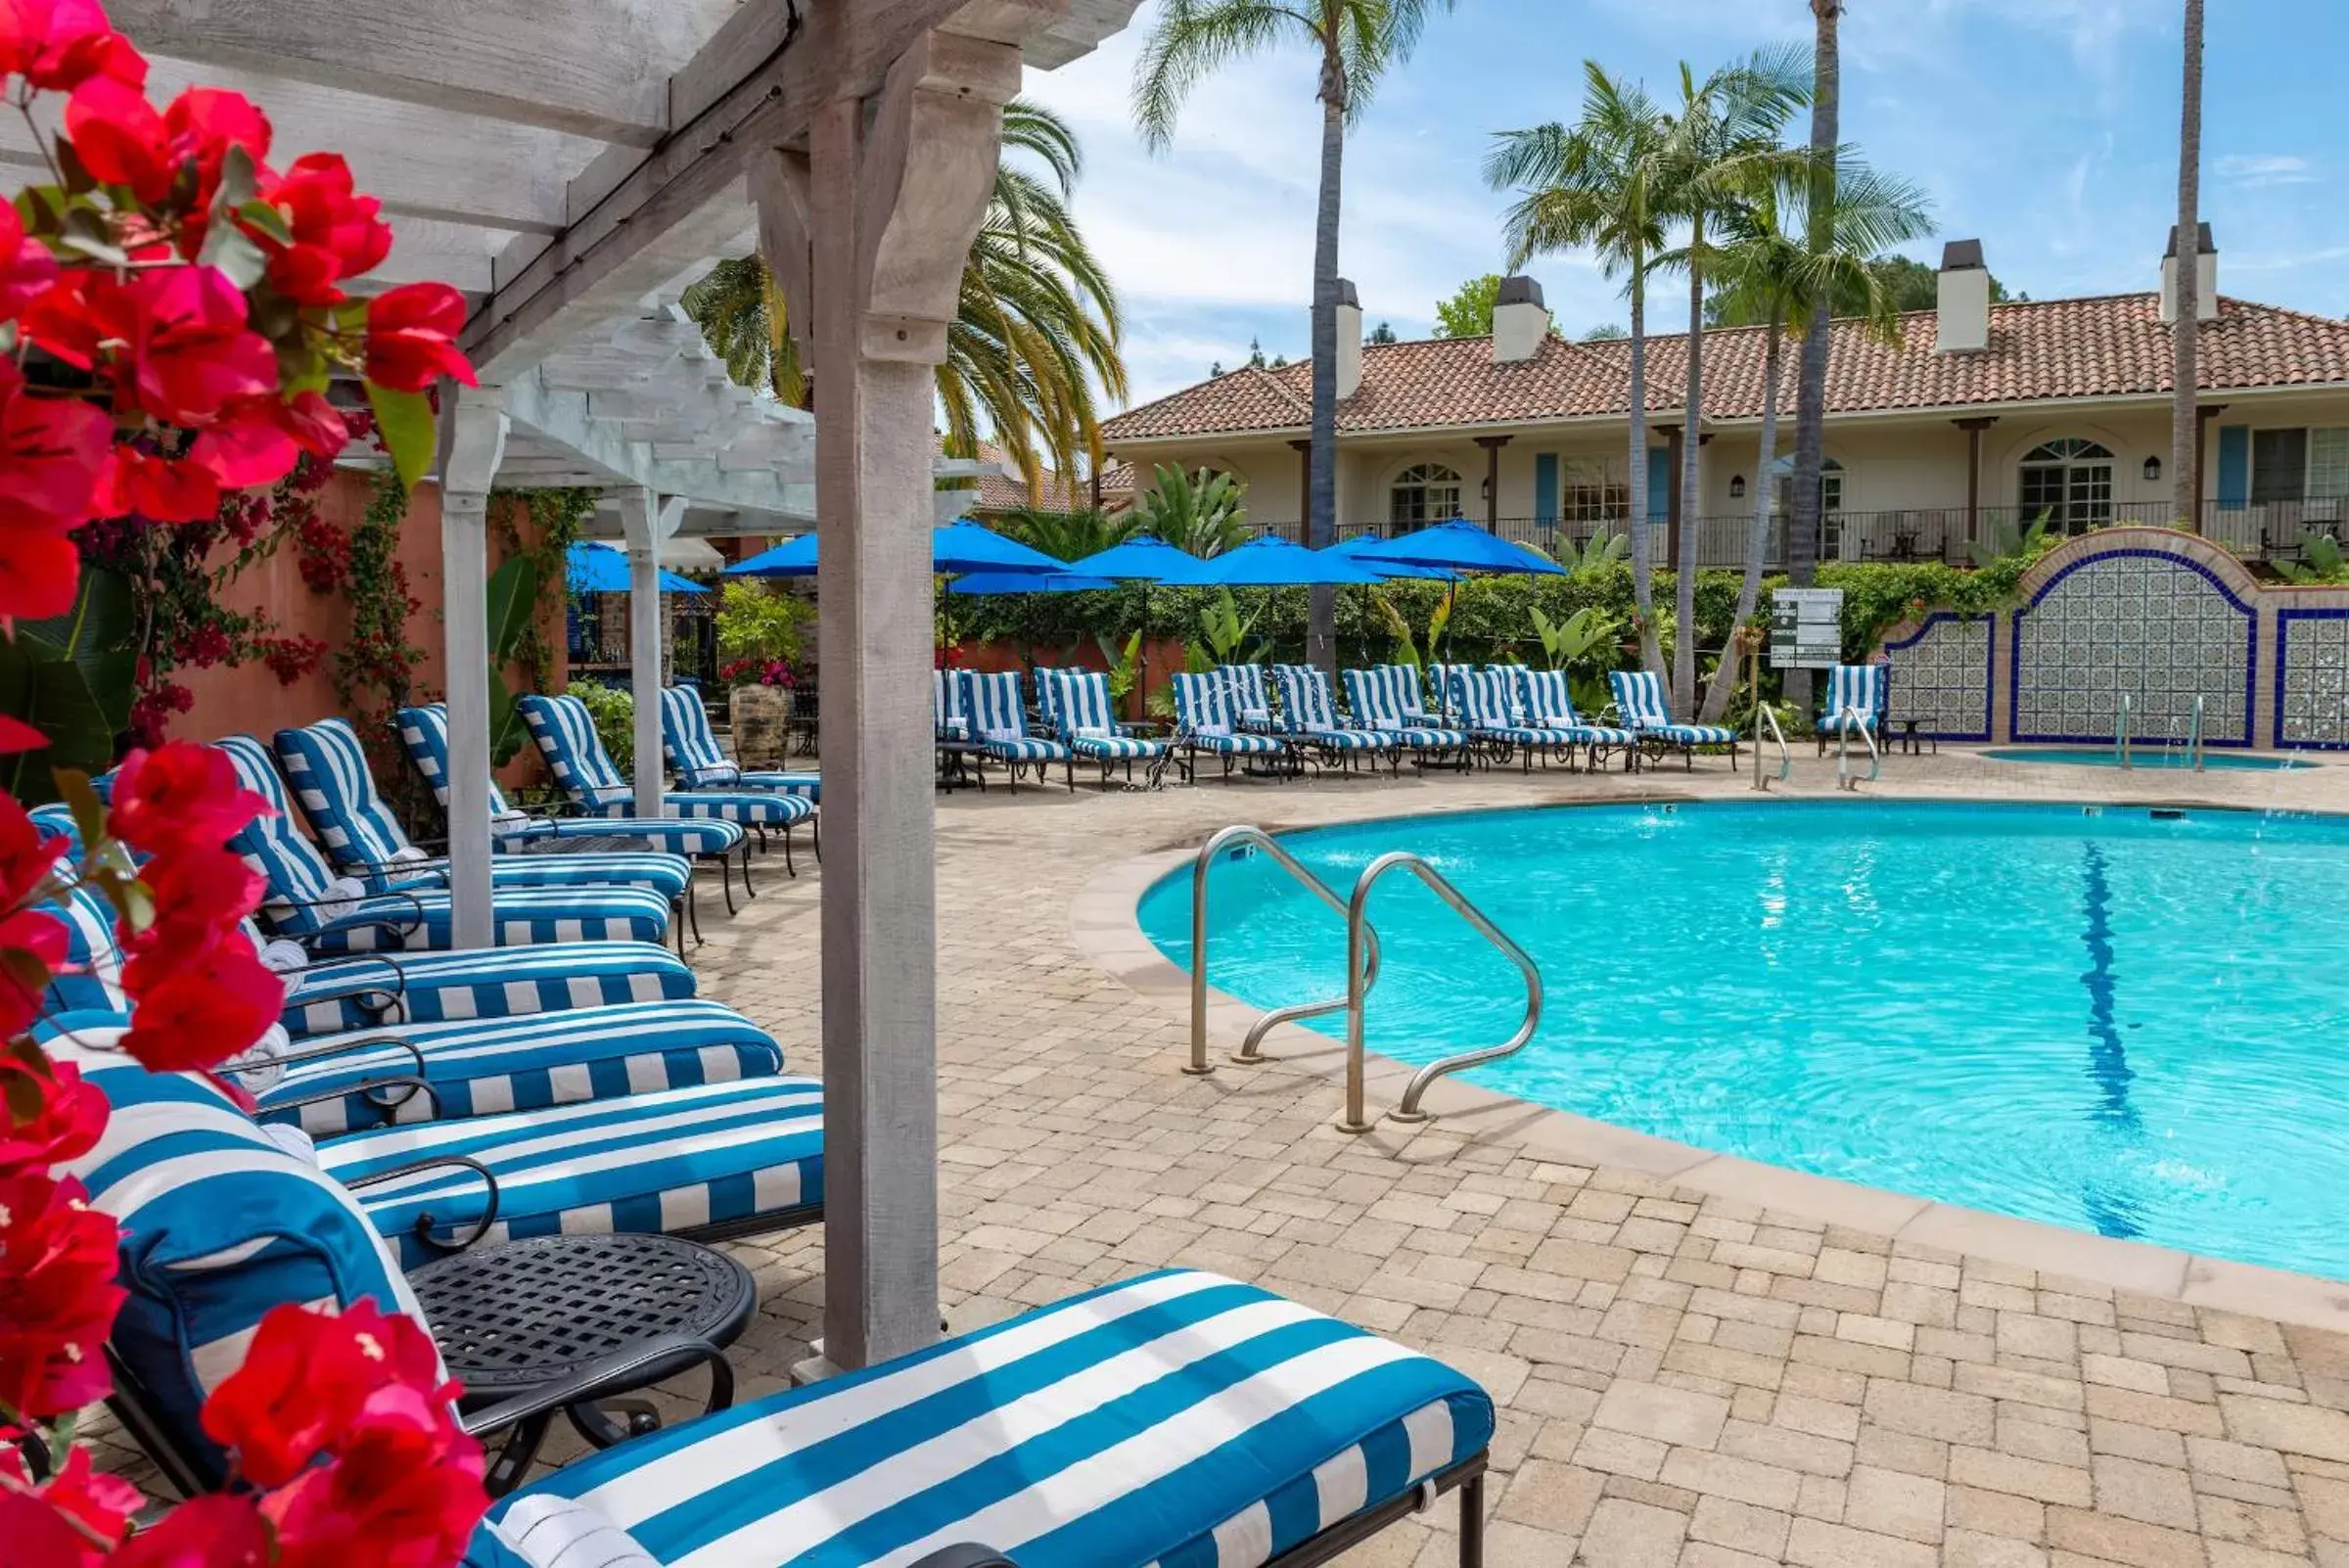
[557,518]
[373,671]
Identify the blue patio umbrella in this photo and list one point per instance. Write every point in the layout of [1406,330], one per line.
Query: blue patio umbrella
[982,583]
[592,567]
[1138,560]
[955,550]
[1357,548]
[1460,547]
[1272,563]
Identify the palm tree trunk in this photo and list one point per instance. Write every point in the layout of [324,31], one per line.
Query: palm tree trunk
[1321,518]
[2185,455]
[1644,595]
[1810,394]
[1692,405]
[1756,538]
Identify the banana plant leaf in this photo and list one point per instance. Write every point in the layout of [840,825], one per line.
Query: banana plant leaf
[71,677]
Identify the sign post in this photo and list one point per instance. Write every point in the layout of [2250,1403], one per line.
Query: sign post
[1806,628]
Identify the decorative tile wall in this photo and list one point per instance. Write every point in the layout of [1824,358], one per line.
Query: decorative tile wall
[1941,677]
[2157,627]
[2312,679]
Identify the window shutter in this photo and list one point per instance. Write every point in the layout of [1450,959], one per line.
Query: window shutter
[1545,488]
[2234,465]
[1659,483]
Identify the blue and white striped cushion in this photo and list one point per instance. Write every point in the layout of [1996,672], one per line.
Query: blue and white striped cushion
[292,865]
[709,806]
[1081,699]
[1306,710]
[1244,690]
[674,1159]
[1047,698]
[947,713]
[1640,696]
[520,917]
[574,754]
[1377,697]
[697,760]
[481,982]
[425,733]
[332,783]
[1202,700]
[220,1224]
[1854,698]
[997,723]
[485,1066]
[1179,1419]
[1443,680]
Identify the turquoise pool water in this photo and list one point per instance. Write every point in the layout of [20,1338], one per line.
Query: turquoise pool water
[2147,758]
[2102,1017]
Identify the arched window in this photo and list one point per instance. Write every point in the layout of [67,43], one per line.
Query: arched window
[1423,494]
[2070,480]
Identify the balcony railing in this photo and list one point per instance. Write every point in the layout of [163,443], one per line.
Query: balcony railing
[2268,530]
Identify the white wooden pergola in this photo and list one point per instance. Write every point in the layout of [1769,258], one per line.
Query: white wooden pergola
[572,167]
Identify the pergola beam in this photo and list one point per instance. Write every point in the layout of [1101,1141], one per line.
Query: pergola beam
[588,67]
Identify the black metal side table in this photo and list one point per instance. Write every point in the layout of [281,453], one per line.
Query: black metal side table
[1909,740]
[518,1316]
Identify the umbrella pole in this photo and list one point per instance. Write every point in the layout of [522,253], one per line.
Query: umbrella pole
[1142,660]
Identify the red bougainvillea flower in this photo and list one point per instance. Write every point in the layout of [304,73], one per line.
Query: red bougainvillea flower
[411,337]
[42,937]
[65,1520]
[193,1018]
[181,793]
[200,895]
[336,234]
[27,853]
[399,1496]
[68,1116]
[173,339]
[52,450]
[57,1296]
[219,1530]
[248,448]
[18,736]
[56,45]
[163,489]
[124,141]
[312,1380]
[25,266]
[317,425]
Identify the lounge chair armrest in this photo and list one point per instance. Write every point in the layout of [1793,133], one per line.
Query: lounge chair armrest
[327,1053]
[390,868]
[369,1087]
[964,1555]
[654,1361]
[424,1221]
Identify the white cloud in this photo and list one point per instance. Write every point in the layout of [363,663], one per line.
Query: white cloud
[2255,169]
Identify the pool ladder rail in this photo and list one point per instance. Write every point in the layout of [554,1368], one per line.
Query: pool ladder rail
[1766,720]
[1845,777]
[1361,971]
[2123,741]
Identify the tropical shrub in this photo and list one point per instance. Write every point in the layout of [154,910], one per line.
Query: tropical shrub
[613,711]
[761,631]
[1205,512]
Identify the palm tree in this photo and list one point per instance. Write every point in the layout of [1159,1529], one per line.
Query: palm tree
[1033,344]
[1766,269]
[1066,535]
[1724,141]
[1356,41]
[2186,447]
[1811,388]
[1602,182]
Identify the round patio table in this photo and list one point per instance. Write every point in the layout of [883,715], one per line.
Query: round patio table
[514,1318]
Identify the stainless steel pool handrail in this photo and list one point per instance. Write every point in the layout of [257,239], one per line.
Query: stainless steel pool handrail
[1362,973]
[1763,716]
[1250,1051]
[2193,739]
[2120,735]
[1848,719]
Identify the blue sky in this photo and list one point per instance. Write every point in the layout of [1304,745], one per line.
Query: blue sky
[2046,128]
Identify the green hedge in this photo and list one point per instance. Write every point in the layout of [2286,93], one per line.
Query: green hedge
[1492,617]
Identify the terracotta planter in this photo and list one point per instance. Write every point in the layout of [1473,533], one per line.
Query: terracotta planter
[759,712]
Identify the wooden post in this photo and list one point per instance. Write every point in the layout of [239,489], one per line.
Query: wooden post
[2204,413]
[1493,445]
[1304,484]
[640,516]
[1973,429]
[867,232]
[473,445]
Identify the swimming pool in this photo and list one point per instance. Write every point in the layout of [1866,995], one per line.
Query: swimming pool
[2125,1022]
[2148,758]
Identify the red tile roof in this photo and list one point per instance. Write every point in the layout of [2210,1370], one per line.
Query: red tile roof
[2105,346]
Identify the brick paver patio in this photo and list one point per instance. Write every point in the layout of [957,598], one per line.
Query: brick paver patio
[1685,1380]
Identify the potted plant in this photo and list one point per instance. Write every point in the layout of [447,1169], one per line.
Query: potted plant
[761,635]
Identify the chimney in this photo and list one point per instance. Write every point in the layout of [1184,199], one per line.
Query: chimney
[2207,278]
[1520,321]
[1962,299]
[1350,341]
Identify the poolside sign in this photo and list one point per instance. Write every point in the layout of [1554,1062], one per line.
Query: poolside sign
[1806,628]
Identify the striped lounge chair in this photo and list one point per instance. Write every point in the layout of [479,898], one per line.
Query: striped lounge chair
[332,1082]
[699,762]
[1310,720]
[326,769]
[1857,698]
[1378,698]
[1250,701]
[1203,722]
[1178,1418]
[1546,697]
[999,721]
[303,903]
[1481,703]
[1080,705]
[1047,697]
[375,990]
[720,1159]
[1642,708]
[949,720]
[583,770]
[1440,687]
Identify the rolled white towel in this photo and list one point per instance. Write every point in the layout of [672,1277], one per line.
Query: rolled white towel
[284,957]
[343,896]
